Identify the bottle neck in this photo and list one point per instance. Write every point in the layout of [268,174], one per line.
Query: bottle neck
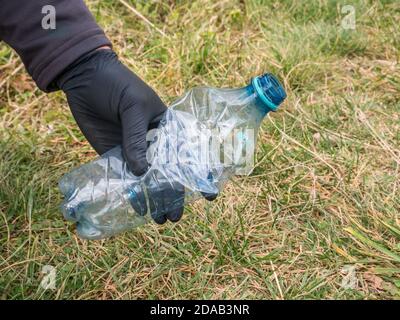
[257,101]
[268,91]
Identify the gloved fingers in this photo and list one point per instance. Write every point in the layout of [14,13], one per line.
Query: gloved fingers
[134,144]
[176,198]
[156,121]
[175,215]
[159,219]
[167,201]
[209,196]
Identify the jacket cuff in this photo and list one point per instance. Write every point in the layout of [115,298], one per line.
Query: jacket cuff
[45,73]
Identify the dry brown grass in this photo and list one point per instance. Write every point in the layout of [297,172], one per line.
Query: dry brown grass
[318,218]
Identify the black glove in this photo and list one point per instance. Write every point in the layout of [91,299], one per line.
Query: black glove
[113,106]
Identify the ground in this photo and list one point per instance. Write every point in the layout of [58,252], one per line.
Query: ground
[317,219]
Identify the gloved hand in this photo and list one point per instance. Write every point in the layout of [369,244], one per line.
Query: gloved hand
[113,106]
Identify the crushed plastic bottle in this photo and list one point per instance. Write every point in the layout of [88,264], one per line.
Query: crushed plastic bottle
[205,137]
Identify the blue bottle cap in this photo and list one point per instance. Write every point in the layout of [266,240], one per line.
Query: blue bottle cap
[269,90]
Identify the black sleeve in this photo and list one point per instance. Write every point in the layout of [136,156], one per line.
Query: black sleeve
[46,52]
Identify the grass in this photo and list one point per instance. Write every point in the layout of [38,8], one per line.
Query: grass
[323,199]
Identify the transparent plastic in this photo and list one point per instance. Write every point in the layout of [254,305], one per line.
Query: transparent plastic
[204,138]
